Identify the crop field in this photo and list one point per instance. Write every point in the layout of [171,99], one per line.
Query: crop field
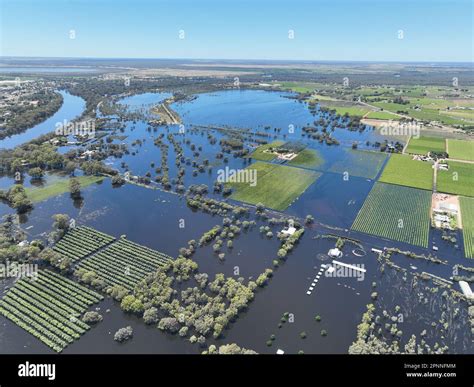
[38,194]
[307,158]
[423,145]
[277,186]
[402,170]
[359,163]
[49,308]
[467,115]
[124,263]
[396,212]
[467,213]
[459,179]
[436,115]
[260,154]
[461,149]
[80,242]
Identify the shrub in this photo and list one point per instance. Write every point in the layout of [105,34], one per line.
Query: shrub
[92,317]
[123,334]
[150,316]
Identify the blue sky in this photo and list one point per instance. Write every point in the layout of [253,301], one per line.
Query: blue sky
[366,30]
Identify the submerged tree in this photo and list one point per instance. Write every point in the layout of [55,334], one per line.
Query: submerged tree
[75,188]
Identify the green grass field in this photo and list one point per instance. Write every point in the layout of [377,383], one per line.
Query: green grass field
[467,213]
[38,194]
[423,145]
[277,186]
[383,116]
[390,106]
[299,87]
[396,212]
[461,149]
[260,154]
[402,170]
[459,179]
[351,110]
[307,158]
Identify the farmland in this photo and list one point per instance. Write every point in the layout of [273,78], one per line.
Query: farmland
[299,87]
[124,263]
[423,109]
[467,211]
[49,308]
[261,154]
[359,163]
[307,158]
[423,145]
[358,111]
[396,212]
[277,186]
[461,149]
[382,115]
[402,170]
[437,115]
[459,179]
[467,115]
[80,242]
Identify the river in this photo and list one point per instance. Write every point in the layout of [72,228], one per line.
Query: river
[71,108]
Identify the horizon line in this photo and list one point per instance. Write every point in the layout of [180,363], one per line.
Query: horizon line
[239,59]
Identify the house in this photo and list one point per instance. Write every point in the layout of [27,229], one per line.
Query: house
[448,207]
[441,218]
[466,289]
[335,253]
[290,231]
[86,155]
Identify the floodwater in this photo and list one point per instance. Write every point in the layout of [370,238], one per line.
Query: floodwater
[153,218]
